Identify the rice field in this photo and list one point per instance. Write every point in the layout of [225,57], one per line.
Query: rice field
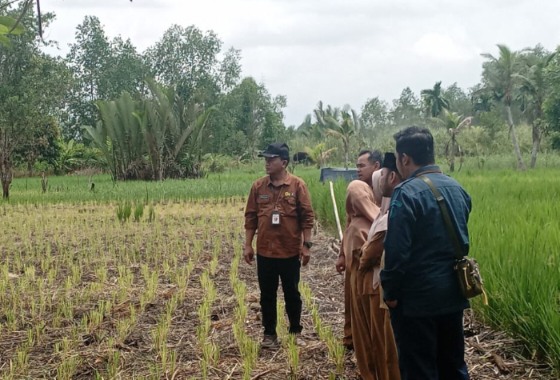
[84,295]
[146,281]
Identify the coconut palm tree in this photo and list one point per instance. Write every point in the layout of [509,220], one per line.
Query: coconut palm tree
[499,76]
[434,101]
[321,114]
[343,129]
[319,154]
[454,124]
[533,89]
[310,130]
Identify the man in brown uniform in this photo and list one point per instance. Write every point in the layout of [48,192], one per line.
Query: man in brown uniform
[279,208]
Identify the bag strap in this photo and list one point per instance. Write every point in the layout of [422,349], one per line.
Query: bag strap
[446,218]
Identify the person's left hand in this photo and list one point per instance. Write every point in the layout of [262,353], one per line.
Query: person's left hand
[366,264]
[392,304]
[304,255]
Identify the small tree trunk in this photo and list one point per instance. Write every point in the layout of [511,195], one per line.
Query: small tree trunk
[160,168]
[536,144]
[44,182]
[520,163]
[6,174]
[6,188]
[452,155]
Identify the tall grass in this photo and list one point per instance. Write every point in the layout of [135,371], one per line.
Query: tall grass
[514,235]
[75,189]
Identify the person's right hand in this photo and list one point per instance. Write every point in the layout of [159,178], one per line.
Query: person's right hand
[340,264]
[249,254]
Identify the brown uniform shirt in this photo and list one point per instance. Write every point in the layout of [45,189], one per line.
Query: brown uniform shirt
[293,203]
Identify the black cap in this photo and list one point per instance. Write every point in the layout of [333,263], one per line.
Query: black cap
[276,150]
[390,161]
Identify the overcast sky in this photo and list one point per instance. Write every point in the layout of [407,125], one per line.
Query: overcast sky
[340,52]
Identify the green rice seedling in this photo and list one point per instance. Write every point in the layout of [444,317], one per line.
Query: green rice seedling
[120,213]
[30,341]
[101,274]
[204,367]
[336,350]
[39,328]
[76,274]
[127,210]
[138,212]
[171,306]
[124,210]
[123,327]
[51,276]
[67,367]
[113,364]
[66,308]
[289,341]
[310,305]
[197,247]
[211,353]
[151,279]
[11,372]
[156,372]
[293,356]
[151,214]
[181,279]
[159,334]
[166,267]
[94,319]
[250,352]
[213,267]
[30,274]
[248,348]
[22,359]
[234,271]
[281,325]
[171,362]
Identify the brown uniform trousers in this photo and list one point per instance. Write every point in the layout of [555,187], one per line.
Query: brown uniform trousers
[372,335]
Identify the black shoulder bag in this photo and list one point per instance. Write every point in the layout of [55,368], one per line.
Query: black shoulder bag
[467,269]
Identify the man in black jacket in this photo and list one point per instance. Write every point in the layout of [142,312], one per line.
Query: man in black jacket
[419,282]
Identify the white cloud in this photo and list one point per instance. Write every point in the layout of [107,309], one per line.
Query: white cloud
[441,48]
[335,51]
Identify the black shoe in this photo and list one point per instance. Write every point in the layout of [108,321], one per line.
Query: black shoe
[270,342]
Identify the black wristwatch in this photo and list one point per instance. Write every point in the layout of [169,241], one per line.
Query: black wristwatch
[308,244]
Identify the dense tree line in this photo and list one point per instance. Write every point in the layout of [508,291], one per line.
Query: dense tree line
[162,112]
[141,115]
[517,88]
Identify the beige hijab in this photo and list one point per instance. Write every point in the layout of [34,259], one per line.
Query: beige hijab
[376,187]
[361,211]
[383,202]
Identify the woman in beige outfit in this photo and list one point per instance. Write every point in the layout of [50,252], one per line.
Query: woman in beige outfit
[374,344]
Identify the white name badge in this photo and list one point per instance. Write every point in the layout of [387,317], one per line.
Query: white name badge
[275,218]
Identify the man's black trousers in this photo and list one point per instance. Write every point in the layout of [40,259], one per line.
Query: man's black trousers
[430,348]
[270,271]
